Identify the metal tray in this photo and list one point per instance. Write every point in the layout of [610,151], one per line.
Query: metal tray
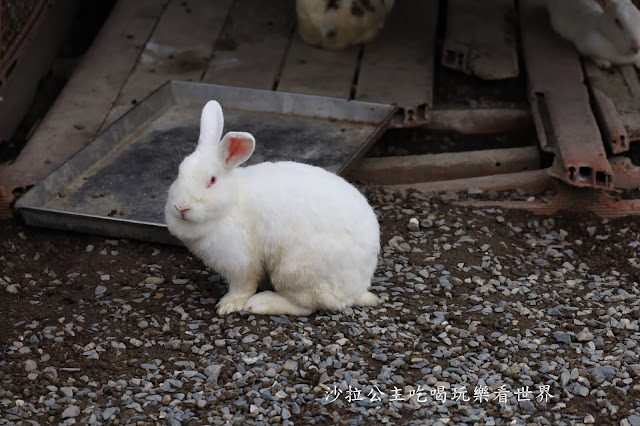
[117,185]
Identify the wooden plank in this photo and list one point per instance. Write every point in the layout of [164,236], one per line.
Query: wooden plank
[179,49]
[481,121]
[253,43]
[314,71]
[534,181]
[81,108]
[480,39]
[444,166]
[397,67]
[560,102]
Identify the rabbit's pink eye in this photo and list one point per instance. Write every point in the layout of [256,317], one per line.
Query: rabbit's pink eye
[211,181]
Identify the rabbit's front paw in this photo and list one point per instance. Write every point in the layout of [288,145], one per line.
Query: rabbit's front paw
[603,64]
[231,303]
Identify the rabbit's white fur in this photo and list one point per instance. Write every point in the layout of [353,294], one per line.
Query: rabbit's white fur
[336,24]
[608,31]
[314,234]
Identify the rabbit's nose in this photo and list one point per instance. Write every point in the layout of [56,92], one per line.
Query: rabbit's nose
[635,47]
[182,210]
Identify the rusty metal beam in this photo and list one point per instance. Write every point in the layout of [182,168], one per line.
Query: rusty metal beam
[480,39]
[616,95]
[560,102]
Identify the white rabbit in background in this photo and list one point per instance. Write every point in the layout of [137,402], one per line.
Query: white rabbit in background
[608,31]
[336,24]
[313,233]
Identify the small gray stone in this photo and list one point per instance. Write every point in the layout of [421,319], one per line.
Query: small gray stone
[413,225]
[250,338]
[607,370]
[528,406]
[290,365]
[285,414]
[51,371]
[71,411]
[66,391]
[30,365]
[280,320]
[213,372]
[562,337]
[100,290]
[379,356]
[584,336]
[108,412]
[634,420]
[578,389]
[154,280]
[385,374]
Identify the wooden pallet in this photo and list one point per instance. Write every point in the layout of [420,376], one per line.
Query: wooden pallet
[248,43]
[253,43]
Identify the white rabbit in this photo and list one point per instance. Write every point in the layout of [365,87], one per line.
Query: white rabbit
[336,24]
[314,234]
[608,31]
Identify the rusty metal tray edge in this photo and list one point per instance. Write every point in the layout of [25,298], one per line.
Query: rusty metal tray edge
[30,206]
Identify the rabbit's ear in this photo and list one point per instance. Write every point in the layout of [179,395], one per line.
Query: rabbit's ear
[211,124]
[236,148]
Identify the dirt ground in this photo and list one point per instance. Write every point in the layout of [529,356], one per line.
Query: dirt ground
[51,280]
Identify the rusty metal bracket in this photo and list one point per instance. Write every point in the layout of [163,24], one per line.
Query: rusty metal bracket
[568,199]
[560,103]
[480,39]
[626,174]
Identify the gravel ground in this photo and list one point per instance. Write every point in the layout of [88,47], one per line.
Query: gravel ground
[488,317]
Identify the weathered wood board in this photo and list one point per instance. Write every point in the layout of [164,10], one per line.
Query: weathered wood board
[179,49]
[251,48]
[480,39]
[403,54]
[80,110]
[313,71]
